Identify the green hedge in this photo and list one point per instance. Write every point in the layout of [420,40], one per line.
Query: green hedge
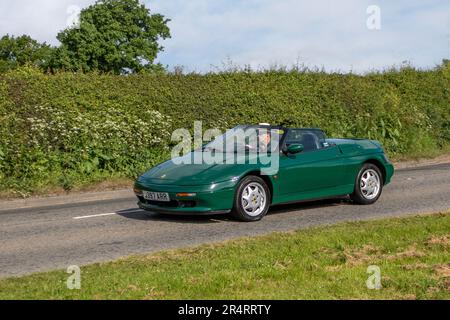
[67,129]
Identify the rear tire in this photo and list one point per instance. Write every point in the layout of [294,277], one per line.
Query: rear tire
[252,199]
[368,185]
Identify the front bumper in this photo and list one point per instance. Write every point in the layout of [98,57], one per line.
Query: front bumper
[211,199]
[389,172]
[182,211]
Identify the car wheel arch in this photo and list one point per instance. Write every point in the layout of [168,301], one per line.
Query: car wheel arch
[380,166]
[266,179]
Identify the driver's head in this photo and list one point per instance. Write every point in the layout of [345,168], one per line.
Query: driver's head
[264,138]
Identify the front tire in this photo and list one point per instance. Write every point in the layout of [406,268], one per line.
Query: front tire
[368,185]
[252,199]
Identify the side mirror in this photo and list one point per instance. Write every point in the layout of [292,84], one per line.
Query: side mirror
[295,148]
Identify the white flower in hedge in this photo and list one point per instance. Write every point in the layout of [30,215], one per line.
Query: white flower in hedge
[60,127]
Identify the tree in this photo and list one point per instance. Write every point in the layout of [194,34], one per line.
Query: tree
[19,51]
[119,36]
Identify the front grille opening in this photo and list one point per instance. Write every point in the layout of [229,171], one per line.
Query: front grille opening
[170,204]
[187,204]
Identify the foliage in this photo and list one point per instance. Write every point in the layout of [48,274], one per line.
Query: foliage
[119,36]
[69,129]
[21,51]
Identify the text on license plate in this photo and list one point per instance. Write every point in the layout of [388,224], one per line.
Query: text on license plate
[156,196]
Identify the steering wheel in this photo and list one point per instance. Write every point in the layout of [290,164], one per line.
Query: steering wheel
[246,146]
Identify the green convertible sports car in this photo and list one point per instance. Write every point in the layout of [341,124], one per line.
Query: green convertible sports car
[250,168]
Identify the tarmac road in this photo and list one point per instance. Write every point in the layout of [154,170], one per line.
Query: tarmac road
[54,237]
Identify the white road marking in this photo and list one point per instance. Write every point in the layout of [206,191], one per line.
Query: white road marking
[95,215]
[103,215]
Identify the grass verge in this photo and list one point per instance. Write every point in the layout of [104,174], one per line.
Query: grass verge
[320,263]
[107,184]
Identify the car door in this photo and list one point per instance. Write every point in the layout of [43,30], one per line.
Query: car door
[318,167]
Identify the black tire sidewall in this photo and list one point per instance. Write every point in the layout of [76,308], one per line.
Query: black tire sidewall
[357,195]
[238,212]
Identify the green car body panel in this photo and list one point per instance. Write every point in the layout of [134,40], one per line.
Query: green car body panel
[323,173]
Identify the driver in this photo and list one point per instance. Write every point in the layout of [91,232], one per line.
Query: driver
[264,139]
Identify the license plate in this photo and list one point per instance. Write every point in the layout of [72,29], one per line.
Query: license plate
[156,196]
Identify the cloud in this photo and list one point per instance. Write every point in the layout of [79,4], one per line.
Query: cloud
[260,33]
[41,19]
[325,33]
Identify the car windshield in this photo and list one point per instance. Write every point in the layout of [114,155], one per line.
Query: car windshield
[246,139]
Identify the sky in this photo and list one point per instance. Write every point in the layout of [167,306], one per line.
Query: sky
[210,35]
